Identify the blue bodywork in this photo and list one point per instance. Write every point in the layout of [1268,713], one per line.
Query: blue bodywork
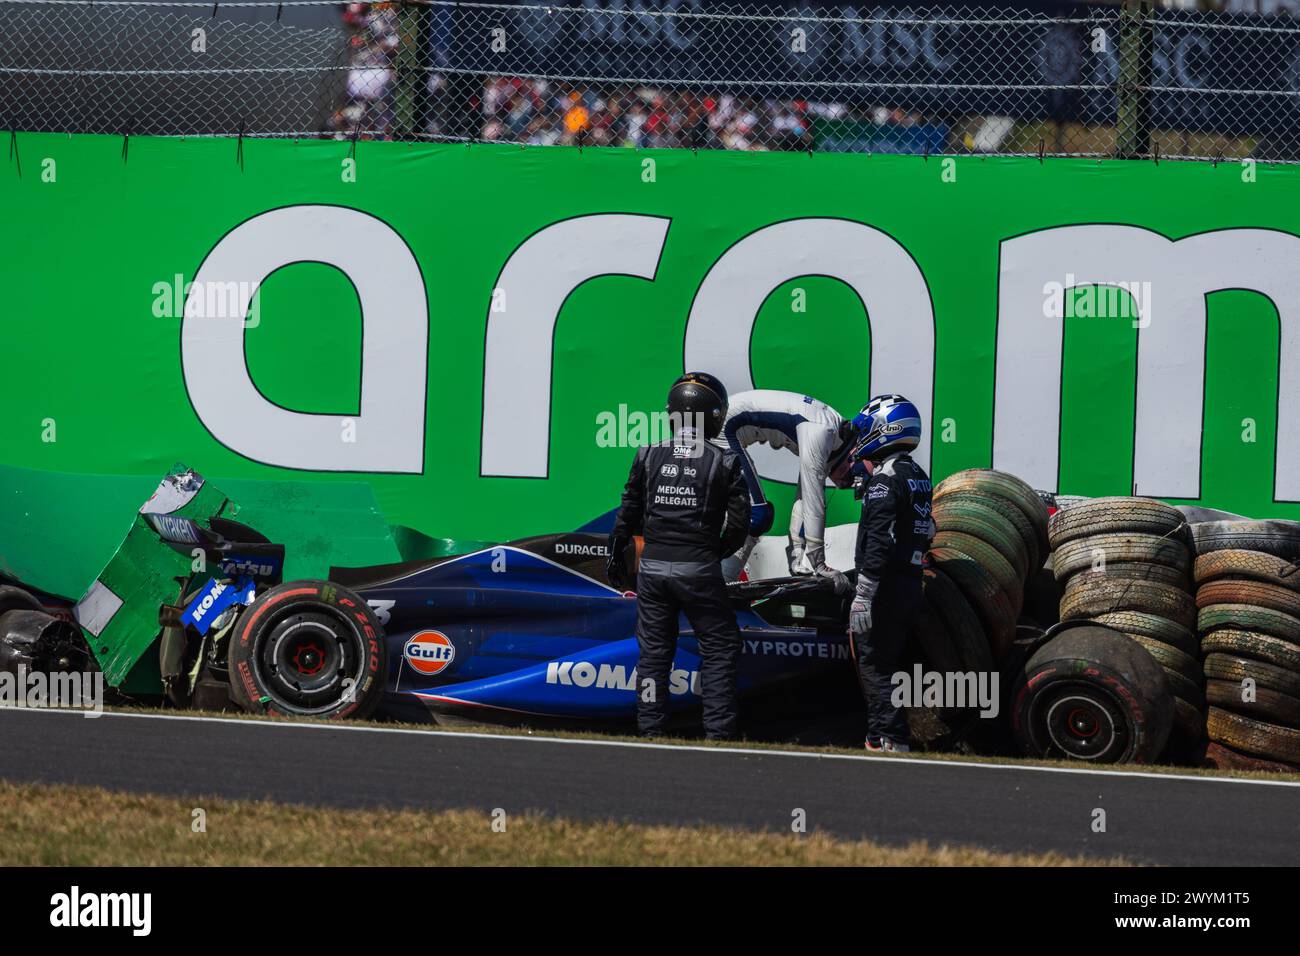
[532,636]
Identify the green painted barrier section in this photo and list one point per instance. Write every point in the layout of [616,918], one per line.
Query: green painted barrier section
[464,342]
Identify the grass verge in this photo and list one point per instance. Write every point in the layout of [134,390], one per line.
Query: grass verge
[44,825]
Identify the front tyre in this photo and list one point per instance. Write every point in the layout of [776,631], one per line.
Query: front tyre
[308,649]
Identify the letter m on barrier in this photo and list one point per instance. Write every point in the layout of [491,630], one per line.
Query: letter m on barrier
[1171,332]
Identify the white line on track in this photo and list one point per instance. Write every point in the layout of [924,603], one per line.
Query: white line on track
[639,745]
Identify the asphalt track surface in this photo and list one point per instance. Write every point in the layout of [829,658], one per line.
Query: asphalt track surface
[1150,818]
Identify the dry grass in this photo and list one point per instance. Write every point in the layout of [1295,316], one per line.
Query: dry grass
[82,826]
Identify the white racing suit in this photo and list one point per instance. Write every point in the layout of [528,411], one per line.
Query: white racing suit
[810,429]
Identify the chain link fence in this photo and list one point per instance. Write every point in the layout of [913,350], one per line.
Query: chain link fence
[1088,81]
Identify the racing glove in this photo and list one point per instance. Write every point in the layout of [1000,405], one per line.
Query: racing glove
[616,566]
[815,555]
[860,609]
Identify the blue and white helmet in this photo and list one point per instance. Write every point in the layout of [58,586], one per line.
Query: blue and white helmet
[886,424]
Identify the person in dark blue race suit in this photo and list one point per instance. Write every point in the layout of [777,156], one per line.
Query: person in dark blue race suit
[894,533]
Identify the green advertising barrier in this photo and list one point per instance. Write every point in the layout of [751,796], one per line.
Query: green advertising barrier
[482,333]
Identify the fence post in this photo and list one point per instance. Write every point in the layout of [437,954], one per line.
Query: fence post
[1133,87]
[409,76]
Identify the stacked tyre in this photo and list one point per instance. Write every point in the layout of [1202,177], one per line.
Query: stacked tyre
[1125,563]
[991,536]
[1248,600]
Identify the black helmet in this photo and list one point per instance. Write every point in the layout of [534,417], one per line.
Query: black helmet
[698,397]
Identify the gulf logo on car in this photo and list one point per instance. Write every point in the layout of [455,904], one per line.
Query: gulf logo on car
[429,651]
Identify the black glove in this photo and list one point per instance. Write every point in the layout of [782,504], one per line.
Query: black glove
[616,566]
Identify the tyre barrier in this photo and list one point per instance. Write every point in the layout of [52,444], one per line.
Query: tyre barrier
[991,538]
[1248,624]
[1125,563]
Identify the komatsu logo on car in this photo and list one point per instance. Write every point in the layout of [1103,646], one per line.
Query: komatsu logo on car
[614,677]
[206,602]
[237,566]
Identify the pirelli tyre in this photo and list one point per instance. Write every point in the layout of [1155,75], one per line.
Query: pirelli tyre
[1091,693]
[977,519]
[1278,538]
[980,587]
[987,555]
[1096,551]
[308,648]
[1246,617]
[1154,626]
[1260,647]
[1087,596]
[1261,703]
[1255,593]
[961,625]
[1251,736]
[1225,758]
[1113,515]
[1005,487]
[1252,565]
[1035,556]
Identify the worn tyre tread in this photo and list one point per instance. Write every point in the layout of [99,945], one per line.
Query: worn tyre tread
[1245,617]
[990,527]
[1256,593]
[1137,571]
[1154,626]
[1253,736]
[1227,667]
[1269,705]
[1275,537]
[1260,647]
[1114,515]
[987,555]
[1091,597]
[980,588]
[1008,487]
[1253,565]
[1007,509]
[1080,554]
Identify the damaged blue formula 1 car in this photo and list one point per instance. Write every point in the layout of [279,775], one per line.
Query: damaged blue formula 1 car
[193,609]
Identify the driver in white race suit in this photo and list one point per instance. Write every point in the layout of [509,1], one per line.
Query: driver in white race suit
[821,438]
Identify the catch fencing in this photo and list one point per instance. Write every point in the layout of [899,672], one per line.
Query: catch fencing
[1104,81]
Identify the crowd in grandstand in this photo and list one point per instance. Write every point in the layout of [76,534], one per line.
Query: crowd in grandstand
[540,112]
